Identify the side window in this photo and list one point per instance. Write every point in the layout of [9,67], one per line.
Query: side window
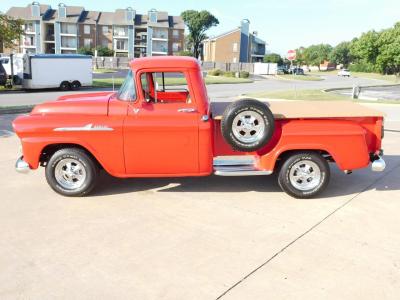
[165,87]
[127,92]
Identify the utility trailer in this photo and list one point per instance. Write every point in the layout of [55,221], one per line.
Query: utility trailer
[63,71]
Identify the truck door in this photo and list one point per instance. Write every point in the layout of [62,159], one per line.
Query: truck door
[161,135]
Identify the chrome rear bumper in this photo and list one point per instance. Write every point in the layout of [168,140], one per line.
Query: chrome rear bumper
[22,166]
[378,165]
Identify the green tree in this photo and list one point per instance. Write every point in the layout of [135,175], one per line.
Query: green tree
[10,31]
[341,54]
[273,58]
[388,59]
[85,50]
[366,48]
[104,51]
[317,54]
[198,22]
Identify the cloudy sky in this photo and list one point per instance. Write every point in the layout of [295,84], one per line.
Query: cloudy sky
[284,24]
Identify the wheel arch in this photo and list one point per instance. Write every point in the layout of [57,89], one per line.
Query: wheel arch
[50,149]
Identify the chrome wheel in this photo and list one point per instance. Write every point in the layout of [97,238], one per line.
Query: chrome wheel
[305,175]
[70,173]
[248,127]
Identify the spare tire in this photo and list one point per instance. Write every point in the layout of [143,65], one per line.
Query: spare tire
[247,125]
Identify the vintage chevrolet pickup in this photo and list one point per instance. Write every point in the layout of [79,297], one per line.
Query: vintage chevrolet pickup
[150,128]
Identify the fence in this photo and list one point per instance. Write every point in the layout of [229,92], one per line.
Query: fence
[123,63]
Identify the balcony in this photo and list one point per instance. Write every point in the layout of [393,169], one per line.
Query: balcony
[120,32]
[69,29]
[68,43]
[160,35]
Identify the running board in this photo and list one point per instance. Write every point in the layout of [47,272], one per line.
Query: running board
[237,166]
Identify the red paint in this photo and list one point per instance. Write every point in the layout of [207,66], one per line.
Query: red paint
[155,139]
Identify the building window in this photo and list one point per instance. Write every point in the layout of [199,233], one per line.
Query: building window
[175,33]
[235,60]
[104,43]
[29,27]
[86,29]
[176,47]
[235,47]
[120,31]
[87,42]
[105,29]
[67,28]
[121,45]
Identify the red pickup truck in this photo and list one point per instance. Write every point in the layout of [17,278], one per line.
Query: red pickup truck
[151,128]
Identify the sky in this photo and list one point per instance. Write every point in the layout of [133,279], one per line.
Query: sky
[283,24]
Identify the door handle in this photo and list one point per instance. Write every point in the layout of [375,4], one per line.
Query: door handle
[187,110]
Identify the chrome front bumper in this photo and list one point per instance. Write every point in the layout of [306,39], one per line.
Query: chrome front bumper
[378,165]
[22,166]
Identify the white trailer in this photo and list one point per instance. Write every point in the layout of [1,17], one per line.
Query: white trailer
[265,68]
[63,71]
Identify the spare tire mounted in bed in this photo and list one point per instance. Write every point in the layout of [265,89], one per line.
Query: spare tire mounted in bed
[247,125]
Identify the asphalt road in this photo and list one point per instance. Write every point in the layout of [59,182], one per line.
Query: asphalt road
[220,92]
[201,238]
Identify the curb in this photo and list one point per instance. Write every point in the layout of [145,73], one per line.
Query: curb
[362,86]
[16,110]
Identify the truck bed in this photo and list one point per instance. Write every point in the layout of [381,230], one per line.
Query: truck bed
[308,109]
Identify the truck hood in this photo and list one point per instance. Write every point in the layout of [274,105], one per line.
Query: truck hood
[88,104]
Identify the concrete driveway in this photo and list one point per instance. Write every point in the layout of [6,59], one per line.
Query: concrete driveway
[201,238]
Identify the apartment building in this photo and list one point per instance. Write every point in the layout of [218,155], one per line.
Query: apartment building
[68,28]
[237,45]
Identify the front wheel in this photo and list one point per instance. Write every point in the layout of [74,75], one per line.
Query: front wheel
[71,172]
[304,175]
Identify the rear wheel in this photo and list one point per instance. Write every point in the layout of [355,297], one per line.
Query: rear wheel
[71,172]
[75,85]
[65,86]
[304,175]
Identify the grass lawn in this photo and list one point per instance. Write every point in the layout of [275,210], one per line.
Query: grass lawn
[107,82]
[312,95]
[103,71]
[300,77]
[299,95]
[391,78]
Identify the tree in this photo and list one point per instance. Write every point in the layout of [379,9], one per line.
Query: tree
[273,58]
[85,50]
[317,54]
[104,51]
[366,48]
[10,31]
[341,54]
[198,22]
[388,59]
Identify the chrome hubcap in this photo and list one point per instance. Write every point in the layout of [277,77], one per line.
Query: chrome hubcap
[248,127]
[70,173]
[305,175]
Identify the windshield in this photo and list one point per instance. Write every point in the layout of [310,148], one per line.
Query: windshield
[127,92]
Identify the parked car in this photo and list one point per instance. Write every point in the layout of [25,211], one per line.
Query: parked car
[3,75]
[344,73]
[147,129]
[282,70]
[296,71]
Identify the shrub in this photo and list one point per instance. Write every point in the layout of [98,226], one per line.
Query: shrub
[104,51]
[363,67]
[185,53]
[230,74]
[244,74]
[216,72]
[85,50]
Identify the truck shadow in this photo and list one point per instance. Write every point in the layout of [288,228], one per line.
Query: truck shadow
[340,184]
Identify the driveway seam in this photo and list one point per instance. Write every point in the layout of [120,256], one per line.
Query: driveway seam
[305,233]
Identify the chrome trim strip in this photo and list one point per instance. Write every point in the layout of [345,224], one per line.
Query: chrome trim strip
[242,173]
[239,160]
[88,127]
[22,166]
